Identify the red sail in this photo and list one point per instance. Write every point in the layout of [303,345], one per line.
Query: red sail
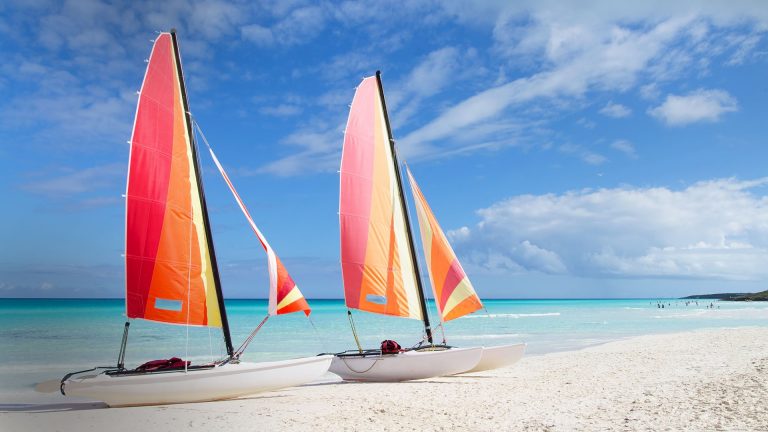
[169,276]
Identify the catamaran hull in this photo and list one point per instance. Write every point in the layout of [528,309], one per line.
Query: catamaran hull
[498,357]
[409,365]
[197,385]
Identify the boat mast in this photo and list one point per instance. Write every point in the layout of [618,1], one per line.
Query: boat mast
[411,247]
[206,223]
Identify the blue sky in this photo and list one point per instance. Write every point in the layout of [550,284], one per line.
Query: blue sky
[605,149]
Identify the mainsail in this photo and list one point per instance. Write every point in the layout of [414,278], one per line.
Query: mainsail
[377,262]
[454,294]
[171,273]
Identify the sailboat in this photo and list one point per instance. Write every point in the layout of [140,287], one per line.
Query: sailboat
[452,290]
[378,257]
[171,270]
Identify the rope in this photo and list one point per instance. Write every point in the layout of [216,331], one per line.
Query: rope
[354,331]
[359,372]
[418,344]
[442,330]
[67,376]
[248,340]
[317,334]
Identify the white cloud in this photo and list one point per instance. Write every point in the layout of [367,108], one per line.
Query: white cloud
[615,110]
[593,158]
[321,146]
[434,72]
[350,67]
[566,52]
[320,152]
[298,26]
[702,260]
[574,50]
[612,64]
[81,68]
[699,106]
[257,34]
[214,18]
[650,91]
[586,123]
[432,75]
[532,256]
[587,156]
[625,147]
[282,110]
[74,182]
[713,229]
[745,47]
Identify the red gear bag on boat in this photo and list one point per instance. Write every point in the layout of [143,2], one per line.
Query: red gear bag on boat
[390,347]
[171,363]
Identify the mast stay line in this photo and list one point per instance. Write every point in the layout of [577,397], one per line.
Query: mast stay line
[411,248]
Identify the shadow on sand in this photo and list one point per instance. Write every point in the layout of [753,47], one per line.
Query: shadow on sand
[52,407]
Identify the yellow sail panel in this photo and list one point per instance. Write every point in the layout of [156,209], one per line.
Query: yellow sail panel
[377,268]
[169,275]
[454,294]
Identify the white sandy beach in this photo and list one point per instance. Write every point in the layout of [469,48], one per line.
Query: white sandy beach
[702,380]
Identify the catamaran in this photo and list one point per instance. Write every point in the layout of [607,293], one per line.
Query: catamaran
[171,271]
[378,257]
[452,290]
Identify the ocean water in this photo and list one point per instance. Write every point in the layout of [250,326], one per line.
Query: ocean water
[45,339]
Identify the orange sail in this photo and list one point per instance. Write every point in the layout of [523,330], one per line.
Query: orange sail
[284,296]
[376,260]
[170,266]
[453,292]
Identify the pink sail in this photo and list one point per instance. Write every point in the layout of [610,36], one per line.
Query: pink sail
[169,272]
[377,268]
[454,294]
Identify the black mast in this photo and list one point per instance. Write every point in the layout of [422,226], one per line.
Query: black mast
[411,247]
[206,223]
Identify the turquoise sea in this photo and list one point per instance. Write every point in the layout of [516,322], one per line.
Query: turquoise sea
[44,339]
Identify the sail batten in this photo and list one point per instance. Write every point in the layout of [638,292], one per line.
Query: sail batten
[169,256]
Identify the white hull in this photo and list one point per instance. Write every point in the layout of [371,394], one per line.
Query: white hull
[197,385]
[499,356]
[409,365]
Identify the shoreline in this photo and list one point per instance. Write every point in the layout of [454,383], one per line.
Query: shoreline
[711,379]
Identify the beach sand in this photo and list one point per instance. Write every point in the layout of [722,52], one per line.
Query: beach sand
[702,380]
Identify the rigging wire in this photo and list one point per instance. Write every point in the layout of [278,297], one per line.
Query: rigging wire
[442,331]
[248,340]
[318,335]
[415,238]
